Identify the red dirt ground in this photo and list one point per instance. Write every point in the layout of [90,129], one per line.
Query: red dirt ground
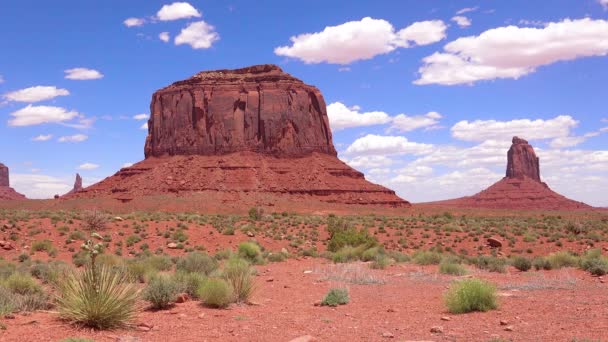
[538,306]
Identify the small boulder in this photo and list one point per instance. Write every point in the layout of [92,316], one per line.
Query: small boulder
[437,330]
[305,338]
[172,245]
[182,298]
[494,243]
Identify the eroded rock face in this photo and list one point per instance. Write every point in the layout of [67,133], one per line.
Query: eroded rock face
[77,183]
[4,181]
[258,109]
[6,192]
[522,161]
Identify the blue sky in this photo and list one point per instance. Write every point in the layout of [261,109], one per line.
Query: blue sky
[424,96]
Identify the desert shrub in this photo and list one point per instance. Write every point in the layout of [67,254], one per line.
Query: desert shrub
[399,257]
[380,262]
[160,262]
[250,252]
[490,263]
[471,295]
[240,275]
[575,228]
[12,301]
[99,297]
[277,257]
[256,213]
[80,258]
[95,221]
[140,271]
[49,272]
[43,245]
[540,263]
[215,292]
[340,238]
[161,292]
[370,254]
[197,262]
[22,284]
[7,304]
[594,263]
[427,258]
[521,263]
[347,254]
[189,282]
[452,268]
[562,259]
[335,297]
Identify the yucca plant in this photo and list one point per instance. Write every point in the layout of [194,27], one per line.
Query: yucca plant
[100,296]
[239,274]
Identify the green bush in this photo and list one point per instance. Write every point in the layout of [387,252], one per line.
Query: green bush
[452,268]
[522,263]
[22,284]
[197,262]
[380,262]
[427,258]
[250,252]
[490,263]
[14,302]
[563,259]
[189,282]
[335,297]
[256,213]
[216,293]
[471,295]
[541,263]
[340,238]
[347,254]
[44,245]
[161,292]
[240,275]
[98,297]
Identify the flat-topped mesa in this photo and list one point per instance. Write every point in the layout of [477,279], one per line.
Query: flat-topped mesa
[4,180]
[522,161]
[258,109]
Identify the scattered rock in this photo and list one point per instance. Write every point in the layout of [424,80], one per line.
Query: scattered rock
[445,318]
[509,328]
[250,233]
[494,243]
[172,245]
[202,315]
[182,298]
[270,280]
[307,272]
[437,329]
[503,322]
[388,335]
[119,219]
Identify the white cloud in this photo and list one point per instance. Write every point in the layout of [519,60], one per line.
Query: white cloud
[372,144]
[144,126]
[36,115]
[512,52]
[127,165]
[43,137]
[132,22]
[467,10]
[359,40]
[177,10]
[604,3]
[88,166]
[164,36]
[82,74]
[462,21]
[37,186]
[369,162]
[405,123]
[74,138]
[341,117]
[199,35]
[36,94]
[141,116]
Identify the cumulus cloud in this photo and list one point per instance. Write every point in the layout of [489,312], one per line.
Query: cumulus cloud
[341,116]
[369,162]
[360,40]
[177,10]
[39,186]
[604,3]
[512,52]
[82,74]
[372,144]
[43,137]
[142,116]
[164,36]
[199,35]
[36,94]
[144,126]
[126,165]
[36,115]
[132,22]
[461,21]
[76,138]
[88,166]
[405,123]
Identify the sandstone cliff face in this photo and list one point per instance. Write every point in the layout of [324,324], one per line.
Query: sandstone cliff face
[6,192]
[522,161]
[259,109]
[521,188]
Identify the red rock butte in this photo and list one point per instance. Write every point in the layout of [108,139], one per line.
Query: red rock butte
[521,188]
[6,192]
[252,132]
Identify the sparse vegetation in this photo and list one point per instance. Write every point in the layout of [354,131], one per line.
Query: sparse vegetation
[471,295]
[215,292]
[335,297]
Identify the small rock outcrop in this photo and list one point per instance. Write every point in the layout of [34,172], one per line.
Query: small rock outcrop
[248,137]
[77,183]
[6,192]
[521,188]
[258,109]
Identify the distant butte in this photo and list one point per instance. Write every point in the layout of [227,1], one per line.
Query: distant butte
[252,132]
[521,188]
[6,192]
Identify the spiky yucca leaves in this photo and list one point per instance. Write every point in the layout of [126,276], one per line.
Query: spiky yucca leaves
[100,297]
